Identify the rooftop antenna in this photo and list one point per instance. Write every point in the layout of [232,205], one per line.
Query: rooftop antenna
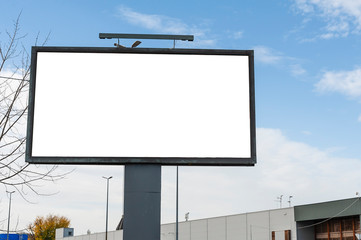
[279,199]
[187,216]
[289,200]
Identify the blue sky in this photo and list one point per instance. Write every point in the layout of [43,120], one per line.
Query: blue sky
[308,94]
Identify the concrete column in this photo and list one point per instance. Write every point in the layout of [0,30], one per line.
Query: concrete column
[142,196]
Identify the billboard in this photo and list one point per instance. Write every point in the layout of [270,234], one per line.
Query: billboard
[153,106]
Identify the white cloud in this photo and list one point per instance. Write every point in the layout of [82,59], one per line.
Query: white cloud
[359,118]
[304,6]
[344,82]
[81,197]
[297,70]
[297,166]
[267,55]
[238,35]
[284,167]
[273,57]
[341,17]
[305,132]
[166,24]
[154,22]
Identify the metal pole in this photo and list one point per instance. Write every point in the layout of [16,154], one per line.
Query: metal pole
[176,214]
[176,203]
[106,215]
[251,231]
[7,238]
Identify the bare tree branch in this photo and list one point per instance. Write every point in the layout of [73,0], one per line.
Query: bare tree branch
[15,174]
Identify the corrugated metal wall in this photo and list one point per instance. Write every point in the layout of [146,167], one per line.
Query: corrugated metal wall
[249,226]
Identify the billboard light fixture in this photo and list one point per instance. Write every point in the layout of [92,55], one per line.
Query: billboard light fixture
[136,44]
[146,36]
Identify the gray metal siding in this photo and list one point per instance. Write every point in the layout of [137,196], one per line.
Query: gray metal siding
[340,208]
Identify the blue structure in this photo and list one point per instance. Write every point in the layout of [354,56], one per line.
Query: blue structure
[14,236]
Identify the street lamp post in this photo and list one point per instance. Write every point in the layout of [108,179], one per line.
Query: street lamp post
[106,217]
[7,238]
[176,211]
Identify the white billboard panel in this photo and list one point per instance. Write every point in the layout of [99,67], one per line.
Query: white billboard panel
[148,106]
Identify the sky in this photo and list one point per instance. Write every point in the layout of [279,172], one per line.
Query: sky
[308,96]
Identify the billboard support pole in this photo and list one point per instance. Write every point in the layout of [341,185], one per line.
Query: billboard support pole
[142,196]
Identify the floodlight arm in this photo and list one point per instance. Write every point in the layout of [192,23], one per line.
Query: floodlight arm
[146,36]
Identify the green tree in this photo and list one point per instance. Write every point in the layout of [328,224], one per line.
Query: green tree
[43,228]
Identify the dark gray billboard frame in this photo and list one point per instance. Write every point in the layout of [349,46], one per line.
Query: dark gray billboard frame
[194,161]
[142,176]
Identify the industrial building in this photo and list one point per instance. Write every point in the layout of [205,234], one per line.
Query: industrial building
[334,220]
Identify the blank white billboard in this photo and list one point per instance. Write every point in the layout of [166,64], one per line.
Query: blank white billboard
[140,105]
